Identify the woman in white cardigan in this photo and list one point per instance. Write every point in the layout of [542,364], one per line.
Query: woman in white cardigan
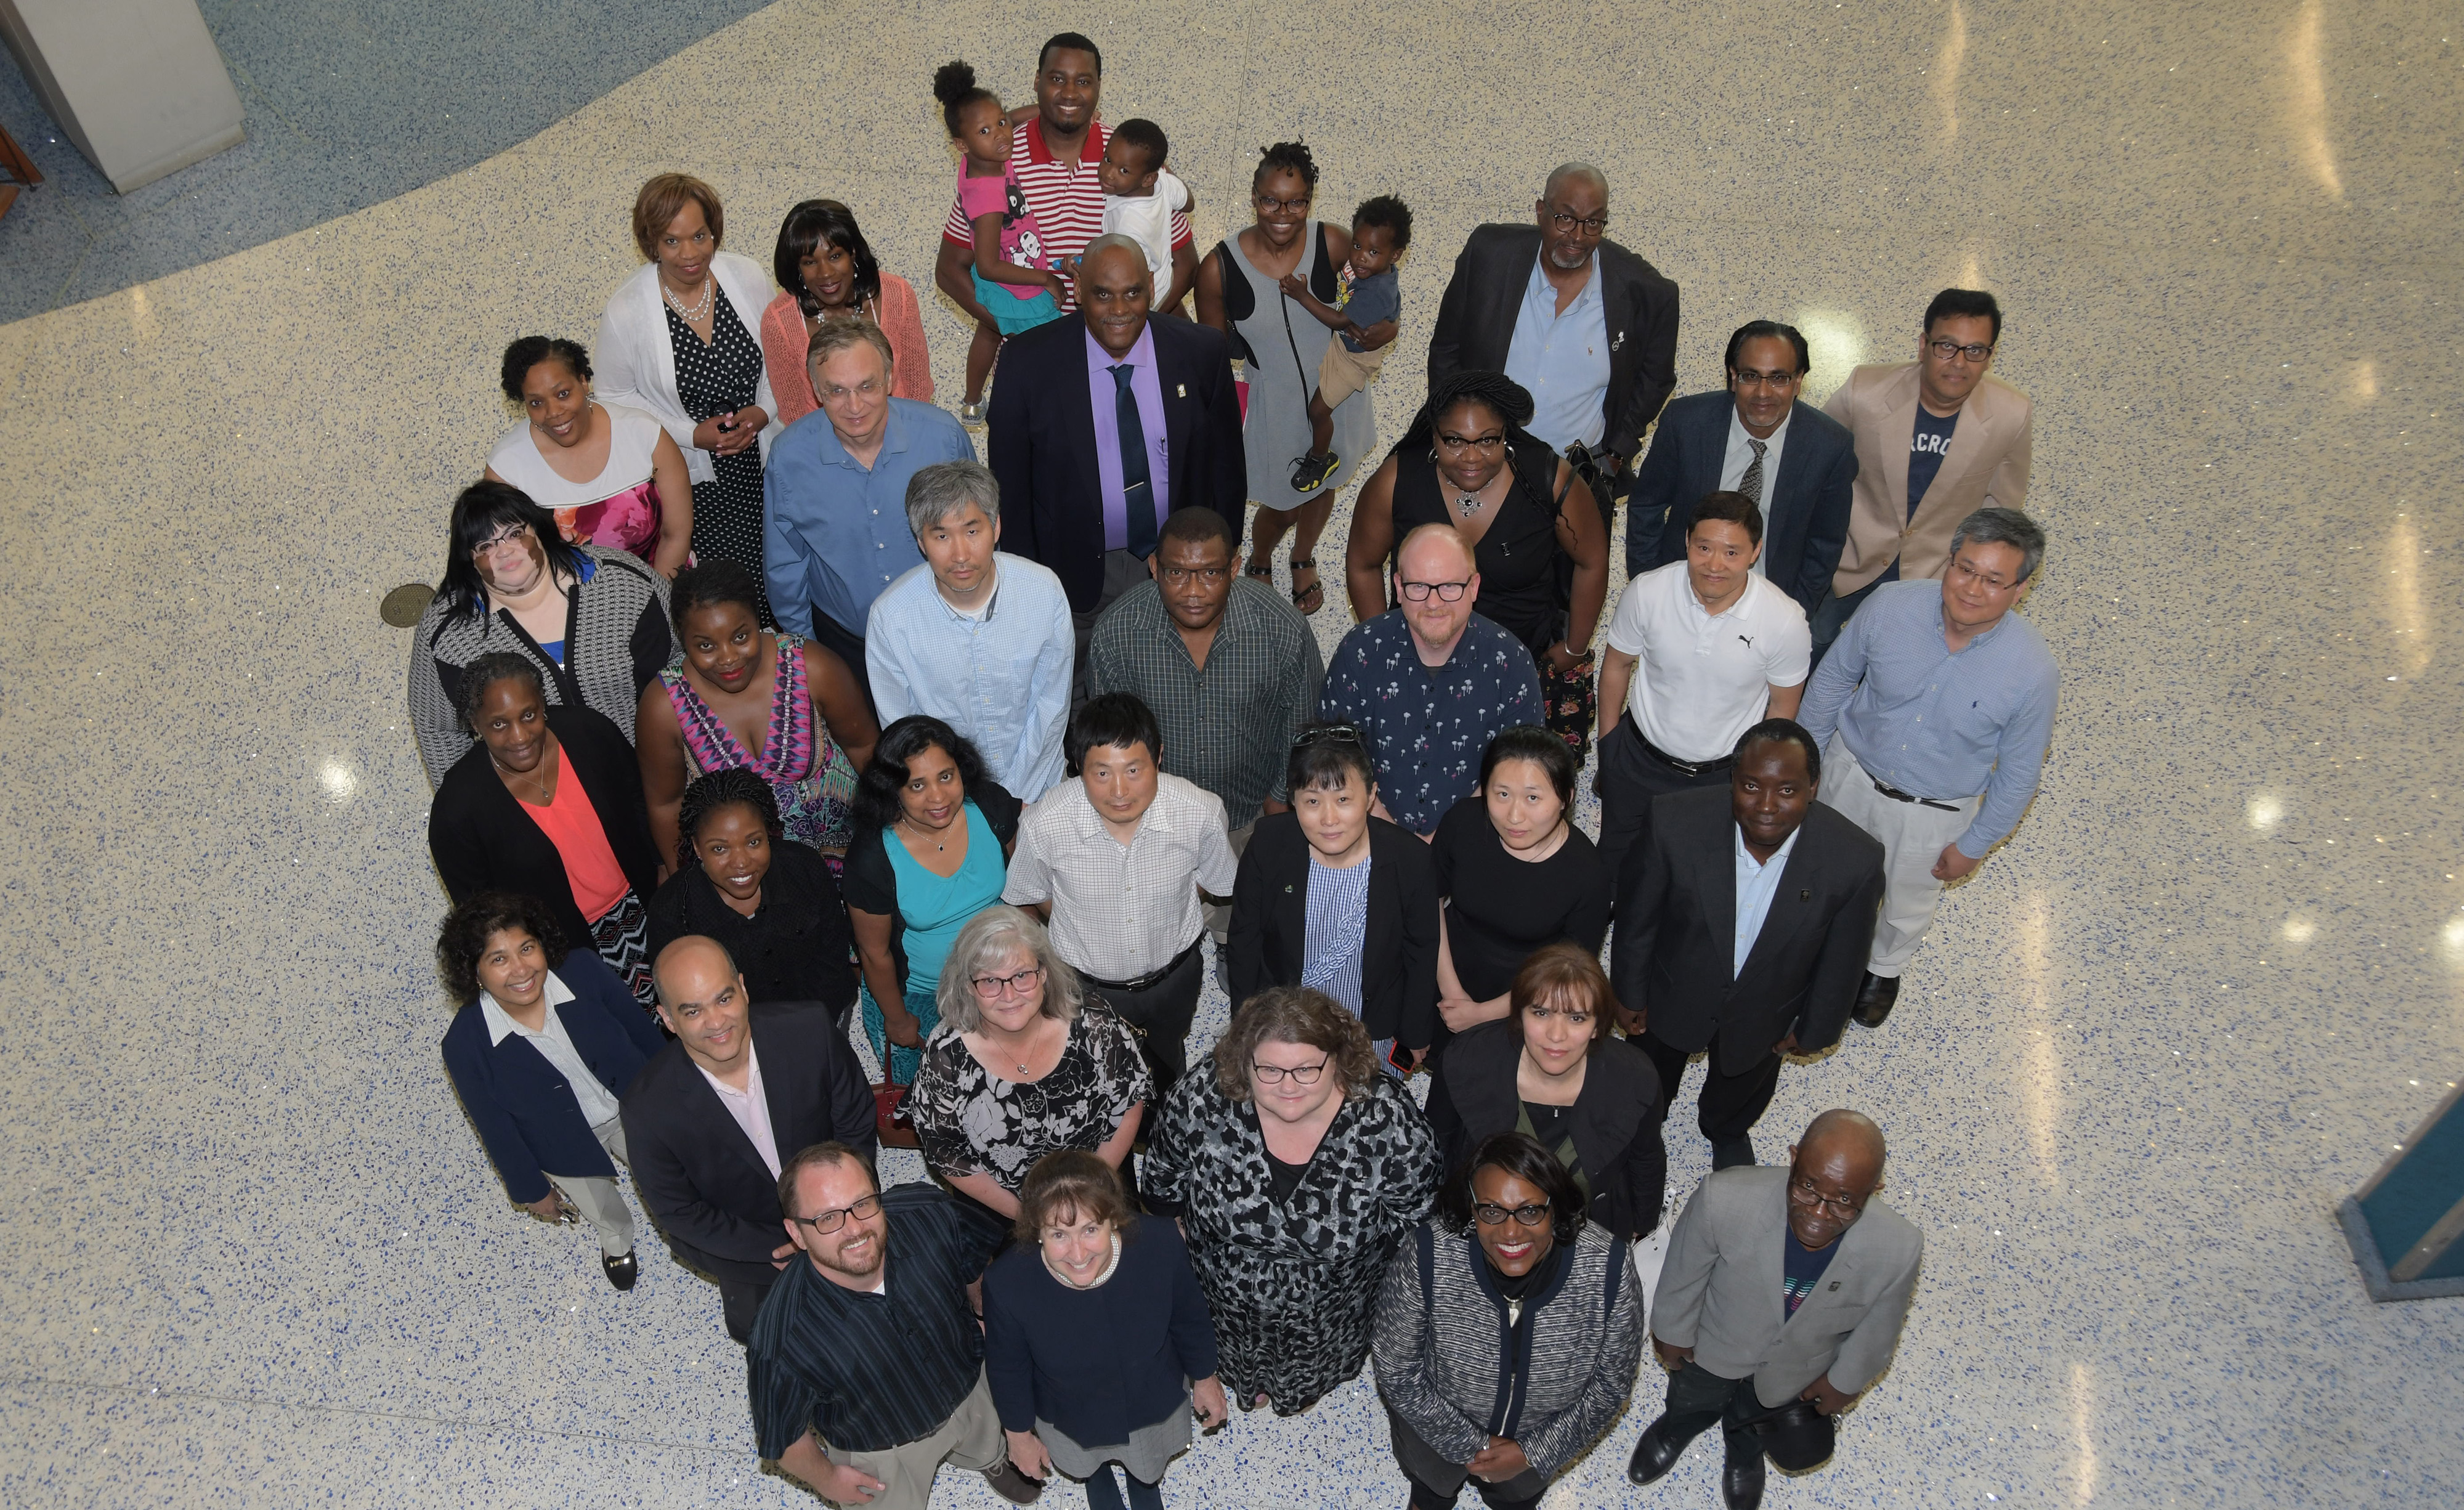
[680,339]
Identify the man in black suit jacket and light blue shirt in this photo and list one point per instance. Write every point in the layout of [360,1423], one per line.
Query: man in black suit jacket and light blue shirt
[1102,425]
[712,1119]
[1796,463]
[1743,921]
[1774,1363]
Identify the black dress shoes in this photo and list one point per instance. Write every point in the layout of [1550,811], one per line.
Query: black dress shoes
[1874,999]
[1741,1483]
[1654,1454]
[622,1271]
[1731,1153]
[1014,1486]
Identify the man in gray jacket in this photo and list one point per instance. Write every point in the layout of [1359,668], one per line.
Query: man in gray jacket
[1773,1364]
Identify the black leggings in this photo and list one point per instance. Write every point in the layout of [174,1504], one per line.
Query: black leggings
[1102,1494]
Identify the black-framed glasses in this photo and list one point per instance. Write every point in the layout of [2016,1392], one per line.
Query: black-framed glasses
[992,987]
[1488,1213]
[1491,444]
[1801,1191]
[1590,225]
[831,1221]
[1209,575]
[1270,203]
[1273,1074]
[1327,734]
[1748,377]
[1973,351]
[1446,591]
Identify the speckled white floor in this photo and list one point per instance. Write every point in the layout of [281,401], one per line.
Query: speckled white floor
[252,1254]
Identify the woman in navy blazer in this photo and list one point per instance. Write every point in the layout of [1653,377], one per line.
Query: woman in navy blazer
[1396,982]
[1098,1340]
[540,1056]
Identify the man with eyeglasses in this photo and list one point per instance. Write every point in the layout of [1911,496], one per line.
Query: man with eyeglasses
[1933,711]
[1795,463]
[1937,439]
[1586,326]
[709,1119]
[866,1373]
[1428,683]
[1774,1371]
[1227,664]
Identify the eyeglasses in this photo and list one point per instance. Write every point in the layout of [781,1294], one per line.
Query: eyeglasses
[1492,444]
[1490,1214]
[993,987]
[1591,226]
[1181,576]
[1744,377]
[1270,203]
[699,238]
[516,538]
[1986,580]
[1273,1074]
[1974,351]
[862,1210]
[1446,591]
[1329,734]
[1801,1191]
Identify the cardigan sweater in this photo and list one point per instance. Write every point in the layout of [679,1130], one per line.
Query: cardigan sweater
[791,379]
[637,359]
[1097,1363]
[483,840]
[1450,1364]
[1615,1126]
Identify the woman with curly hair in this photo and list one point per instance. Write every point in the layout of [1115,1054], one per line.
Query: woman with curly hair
[1295,1169]
[609,473]
[545,1041]
[772,905]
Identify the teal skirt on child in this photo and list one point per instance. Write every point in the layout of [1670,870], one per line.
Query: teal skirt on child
[1011,314]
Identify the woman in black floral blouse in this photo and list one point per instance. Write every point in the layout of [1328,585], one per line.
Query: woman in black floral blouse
[1295,1170]
[1023,1065]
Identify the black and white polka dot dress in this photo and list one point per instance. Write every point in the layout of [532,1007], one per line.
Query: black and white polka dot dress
[718,379]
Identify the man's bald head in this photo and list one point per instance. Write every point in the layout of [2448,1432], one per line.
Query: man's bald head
[702,1002]
[1852,1135]
[1566,173]
[688,968]
[1434,553]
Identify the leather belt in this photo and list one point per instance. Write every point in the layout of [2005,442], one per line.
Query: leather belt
[1896,795]
[1153,978]
[1691,768]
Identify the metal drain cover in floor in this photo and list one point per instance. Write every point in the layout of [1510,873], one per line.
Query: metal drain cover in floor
[405,604]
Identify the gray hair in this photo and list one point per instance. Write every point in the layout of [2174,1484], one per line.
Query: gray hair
[990,939]
[2003,526]
[842,332]
[940,490]
[1583,170]
[1119,242]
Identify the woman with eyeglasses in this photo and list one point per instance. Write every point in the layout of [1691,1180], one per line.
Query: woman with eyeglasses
[1330,898]
[594,621]
[1023,1063]
[1469,462]
[1241,292]
[1554,1071]
[1510,1331]
[825,268]
[678,339]
[1294,1168]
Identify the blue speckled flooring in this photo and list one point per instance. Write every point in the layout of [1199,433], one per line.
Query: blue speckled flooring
[252,1254]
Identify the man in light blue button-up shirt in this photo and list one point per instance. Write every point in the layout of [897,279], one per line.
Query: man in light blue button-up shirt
[978,638]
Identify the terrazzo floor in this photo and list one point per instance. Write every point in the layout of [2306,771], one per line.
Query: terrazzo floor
[252,1254]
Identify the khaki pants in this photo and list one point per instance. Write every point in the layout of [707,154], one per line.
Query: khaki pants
[1219,915]
[596,1197]
[970,1438]
[1912,835]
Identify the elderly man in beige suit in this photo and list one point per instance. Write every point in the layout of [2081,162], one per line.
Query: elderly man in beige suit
[1937,439]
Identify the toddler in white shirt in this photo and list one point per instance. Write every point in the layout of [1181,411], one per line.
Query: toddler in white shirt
[1140,195]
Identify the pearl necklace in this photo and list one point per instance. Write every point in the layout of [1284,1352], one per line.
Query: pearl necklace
[699,311]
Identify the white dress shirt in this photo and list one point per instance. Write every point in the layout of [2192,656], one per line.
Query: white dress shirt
[1701,680]
[1757,883]
[1120,911]
[750,1107]
[556,1046]
[1741,455]
[998,676]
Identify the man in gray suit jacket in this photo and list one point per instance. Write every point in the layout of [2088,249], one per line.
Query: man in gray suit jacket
[1774,1363]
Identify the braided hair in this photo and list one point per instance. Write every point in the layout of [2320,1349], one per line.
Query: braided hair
[723,788]
[708,583]
[1286,157]
[1500,395]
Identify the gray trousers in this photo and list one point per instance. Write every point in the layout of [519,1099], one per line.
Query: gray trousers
[596,1197]
[1122,572]
[1912,835]
[970,1438]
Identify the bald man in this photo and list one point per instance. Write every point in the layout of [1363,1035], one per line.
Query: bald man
[1104,423]
[709,1119]
[1736,1346]
[1429,682]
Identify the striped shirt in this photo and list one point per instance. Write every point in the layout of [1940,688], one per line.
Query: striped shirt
[1335,919]
[1228,726]
[868,1371]
[1067,198]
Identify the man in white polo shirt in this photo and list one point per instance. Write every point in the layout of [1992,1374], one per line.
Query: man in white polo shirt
[1718,649]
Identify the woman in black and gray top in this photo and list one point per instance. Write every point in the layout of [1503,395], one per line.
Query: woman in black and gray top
[595,622]
[1508,1331]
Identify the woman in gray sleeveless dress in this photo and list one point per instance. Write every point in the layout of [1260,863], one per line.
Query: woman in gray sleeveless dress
[1239,293]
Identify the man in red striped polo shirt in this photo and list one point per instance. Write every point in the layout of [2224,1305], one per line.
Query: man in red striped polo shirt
[1054,154]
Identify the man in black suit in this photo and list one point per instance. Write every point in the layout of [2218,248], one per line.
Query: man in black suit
[1589,327]
[1744,918]
[1086,486]
[1796,463]
[711,1121]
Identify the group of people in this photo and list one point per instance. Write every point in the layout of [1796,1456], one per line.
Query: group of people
[761,712]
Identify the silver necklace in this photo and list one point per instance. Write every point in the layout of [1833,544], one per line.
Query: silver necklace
[699,311]
[541,782]
[919,835]
[1468,504]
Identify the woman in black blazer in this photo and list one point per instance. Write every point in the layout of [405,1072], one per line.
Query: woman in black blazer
[548,804]
[771,904]
[1551,1069]
[1376,944]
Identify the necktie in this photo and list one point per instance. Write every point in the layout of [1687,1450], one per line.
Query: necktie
[1751,484]
[1138,484]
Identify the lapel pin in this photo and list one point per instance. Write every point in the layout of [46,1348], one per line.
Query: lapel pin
[1835,1285]
[1288,890]
[1180,390]
[1805,895]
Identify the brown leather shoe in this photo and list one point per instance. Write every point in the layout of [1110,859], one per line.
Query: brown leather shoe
[1012,1485]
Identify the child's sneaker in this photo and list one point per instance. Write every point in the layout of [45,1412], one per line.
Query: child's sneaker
[1311,472]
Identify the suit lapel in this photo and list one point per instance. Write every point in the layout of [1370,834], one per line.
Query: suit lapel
[1078,412]
[1898,432]
[1179,406]
[1973,437]
[1829,1290]
[1787,911]
[1720,890]
[1508,295]
[784,1089]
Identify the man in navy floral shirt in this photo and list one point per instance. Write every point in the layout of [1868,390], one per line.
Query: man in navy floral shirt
[1431,683]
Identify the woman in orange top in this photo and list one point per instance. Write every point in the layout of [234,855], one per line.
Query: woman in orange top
[825,268]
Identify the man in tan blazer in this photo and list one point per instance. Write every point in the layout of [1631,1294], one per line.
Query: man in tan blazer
[1937,439]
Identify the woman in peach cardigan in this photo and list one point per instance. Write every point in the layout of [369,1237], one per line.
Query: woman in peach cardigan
[824,267]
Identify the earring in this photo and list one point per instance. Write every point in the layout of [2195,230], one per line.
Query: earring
[1433,453]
